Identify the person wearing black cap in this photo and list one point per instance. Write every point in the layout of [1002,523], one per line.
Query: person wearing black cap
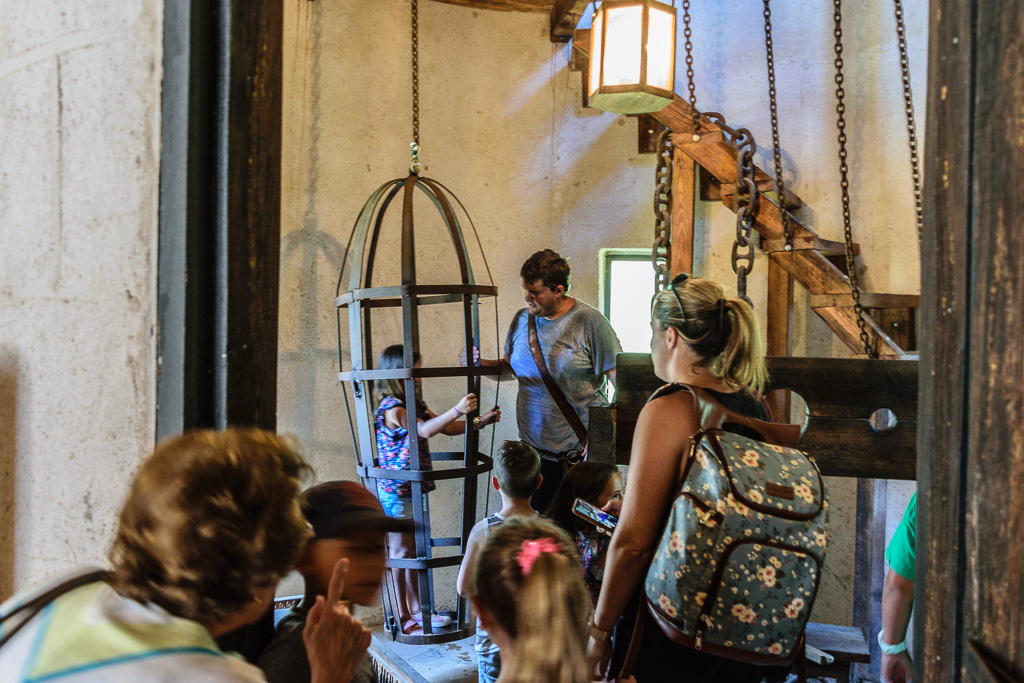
[348,523]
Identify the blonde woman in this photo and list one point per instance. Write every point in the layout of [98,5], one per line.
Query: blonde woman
[698,337]
[531,599]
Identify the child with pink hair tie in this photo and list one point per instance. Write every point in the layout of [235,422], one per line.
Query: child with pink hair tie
[531,599]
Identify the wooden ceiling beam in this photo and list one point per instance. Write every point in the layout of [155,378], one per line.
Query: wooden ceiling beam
[564,16]
[532,6]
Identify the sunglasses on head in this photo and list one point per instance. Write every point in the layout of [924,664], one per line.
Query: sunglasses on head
[677,283]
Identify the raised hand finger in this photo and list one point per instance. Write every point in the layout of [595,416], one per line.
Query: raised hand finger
[313,618]
[337,585]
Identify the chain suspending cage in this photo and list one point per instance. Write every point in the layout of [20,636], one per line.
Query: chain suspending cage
[363,297]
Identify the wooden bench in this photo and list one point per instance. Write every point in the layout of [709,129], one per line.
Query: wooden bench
[845,644]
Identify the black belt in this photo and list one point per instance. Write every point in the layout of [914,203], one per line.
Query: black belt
[571,457]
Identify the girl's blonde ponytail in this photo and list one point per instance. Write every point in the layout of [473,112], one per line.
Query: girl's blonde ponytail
[542,603]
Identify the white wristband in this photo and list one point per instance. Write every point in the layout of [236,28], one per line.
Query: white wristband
[888,649]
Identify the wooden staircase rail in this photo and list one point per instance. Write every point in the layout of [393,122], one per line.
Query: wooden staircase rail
[805,263]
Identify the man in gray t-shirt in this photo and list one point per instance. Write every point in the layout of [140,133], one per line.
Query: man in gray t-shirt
[579,348]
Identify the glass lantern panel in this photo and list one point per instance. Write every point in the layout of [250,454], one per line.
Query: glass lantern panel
[595,51]
[661,50]
[622,45]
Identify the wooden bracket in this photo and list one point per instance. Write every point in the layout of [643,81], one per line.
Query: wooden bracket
[565,14]
[579,58]
[807,241]
[648,131]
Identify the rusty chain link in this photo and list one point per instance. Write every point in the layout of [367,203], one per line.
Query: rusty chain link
[780,186]
[661,253]
[414,146]
[688,45]
[748,201]
[908,107]
[845,181]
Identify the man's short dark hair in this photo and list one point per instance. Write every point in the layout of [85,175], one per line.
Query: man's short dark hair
[517,467]
[548,266]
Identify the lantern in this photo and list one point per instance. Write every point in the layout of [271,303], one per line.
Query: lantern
[632,56]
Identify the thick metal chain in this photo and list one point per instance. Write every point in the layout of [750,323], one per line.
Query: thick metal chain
[688,34]
[748,201]
[845,181]
[661,253]
[908,107]
[780,185]
[414,146]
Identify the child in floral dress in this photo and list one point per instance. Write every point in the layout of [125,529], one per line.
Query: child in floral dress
[393,453]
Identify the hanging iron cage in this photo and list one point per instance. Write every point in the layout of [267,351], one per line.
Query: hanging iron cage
[357,303]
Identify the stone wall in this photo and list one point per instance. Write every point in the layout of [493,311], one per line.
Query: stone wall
[79,171]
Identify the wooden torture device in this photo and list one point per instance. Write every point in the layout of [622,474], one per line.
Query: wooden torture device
[356,305]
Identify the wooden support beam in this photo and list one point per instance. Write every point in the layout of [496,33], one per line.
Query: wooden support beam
[579,57]
[768,224]
[899,323]
[805,241]
[713,190]
[867,300]
[684,183]
[564,16]
[843,321]
[869,568]
[780,299]
[813,271]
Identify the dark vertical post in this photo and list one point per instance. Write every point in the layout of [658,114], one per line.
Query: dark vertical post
[251,228]
[970,571]
[185,279]
[219,214]
[869,568]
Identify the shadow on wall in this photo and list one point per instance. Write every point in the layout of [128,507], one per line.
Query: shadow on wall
[8,449]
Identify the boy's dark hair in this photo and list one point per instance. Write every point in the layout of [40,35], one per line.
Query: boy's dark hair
[548,266]
[517,467]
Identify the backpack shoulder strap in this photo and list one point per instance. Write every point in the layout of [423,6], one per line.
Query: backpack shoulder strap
[713,415]
[37,602]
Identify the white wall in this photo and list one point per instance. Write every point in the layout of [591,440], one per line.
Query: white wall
[79,130]
[501,125]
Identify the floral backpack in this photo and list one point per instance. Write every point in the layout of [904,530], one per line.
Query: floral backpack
[739,563]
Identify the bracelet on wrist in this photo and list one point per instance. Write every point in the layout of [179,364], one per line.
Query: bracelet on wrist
[476,423]
[888,649]
[599,635]
[456,411]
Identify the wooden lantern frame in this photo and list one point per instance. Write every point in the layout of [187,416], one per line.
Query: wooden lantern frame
[632,98]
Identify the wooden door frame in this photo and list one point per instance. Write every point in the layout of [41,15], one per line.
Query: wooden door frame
[969,598]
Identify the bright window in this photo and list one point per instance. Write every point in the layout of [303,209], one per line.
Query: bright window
[627,286]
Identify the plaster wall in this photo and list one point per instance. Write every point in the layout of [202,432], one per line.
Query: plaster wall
[80,112]
[502,126]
